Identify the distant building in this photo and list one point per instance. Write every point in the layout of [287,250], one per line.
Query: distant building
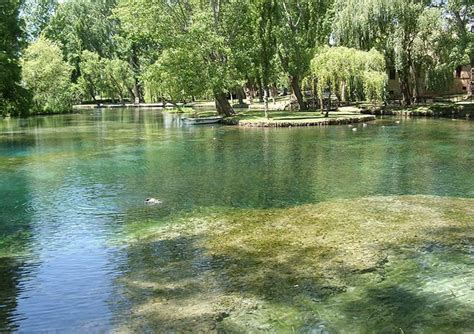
[460,84]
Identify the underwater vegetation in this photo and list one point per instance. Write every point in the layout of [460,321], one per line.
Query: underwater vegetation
[394,264]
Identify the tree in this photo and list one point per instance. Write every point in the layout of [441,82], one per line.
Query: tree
[14,99]
[263,16]
[410,33]
[91,81]
[460,15]
[300,26]
[37,14]
[104,77]
[206,29]
[176,76]
[349,72]
[119,78]
[47,76]
[433,61]
[79,25]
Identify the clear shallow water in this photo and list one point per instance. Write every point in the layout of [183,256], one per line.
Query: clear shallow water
[70,184]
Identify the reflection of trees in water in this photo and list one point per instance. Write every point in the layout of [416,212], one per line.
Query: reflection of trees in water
[11,272]
[15,228]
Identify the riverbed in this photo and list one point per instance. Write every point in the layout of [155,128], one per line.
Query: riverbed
[237,243]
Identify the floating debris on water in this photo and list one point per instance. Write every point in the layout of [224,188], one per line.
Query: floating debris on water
[152,201]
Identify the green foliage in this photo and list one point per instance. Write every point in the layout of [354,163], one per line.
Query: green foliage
[351,72]
[14,99]
[118,78]
[80,25]
[107,78]
[176,76]
[175,50]
[300,26]
[199,45]
[47,76]
[419,40]
[37,14]
[90,81]
[460,14]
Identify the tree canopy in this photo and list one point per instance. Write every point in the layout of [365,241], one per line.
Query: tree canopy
[176,51]
[47,76]
[14,98]
[350,73]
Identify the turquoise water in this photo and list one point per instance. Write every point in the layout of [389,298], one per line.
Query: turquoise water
[72,185]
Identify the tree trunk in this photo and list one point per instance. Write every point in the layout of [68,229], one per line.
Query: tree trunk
[265,100]
[260,93]
[405,89]
[240,95]
[222,105]
[470,89]
[343,93]
[134,63]
[274,93]
[416,86]
[295,85]
[329,101]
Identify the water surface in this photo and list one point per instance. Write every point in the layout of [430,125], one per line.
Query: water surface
[72,185]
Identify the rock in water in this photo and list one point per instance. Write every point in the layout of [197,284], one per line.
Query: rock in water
[152,201]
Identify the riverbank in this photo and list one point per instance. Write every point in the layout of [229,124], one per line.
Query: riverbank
[390,264]
[294,119]
[125,105]
[447,110]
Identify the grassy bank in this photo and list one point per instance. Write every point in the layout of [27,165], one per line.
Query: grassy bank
[379,264]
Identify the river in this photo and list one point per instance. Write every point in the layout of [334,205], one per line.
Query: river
[73,186]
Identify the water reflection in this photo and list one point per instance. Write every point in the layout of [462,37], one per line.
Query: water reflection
[72,183]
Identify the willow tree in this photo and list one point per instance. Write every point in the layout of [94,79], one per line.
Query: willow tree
[460,14]
[434,56]
[300,26]
[176,76]
[349,73]
[112,78]
[391,26]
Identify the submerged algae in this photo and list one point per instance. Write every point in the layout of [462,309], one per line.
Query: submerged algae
[386,264]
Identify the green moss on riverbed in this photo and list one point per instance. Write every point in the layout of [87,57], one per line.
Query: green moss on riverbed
[373,264]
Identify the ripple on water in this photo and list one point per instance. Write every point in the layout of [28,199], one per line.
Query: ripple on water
[70,184]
